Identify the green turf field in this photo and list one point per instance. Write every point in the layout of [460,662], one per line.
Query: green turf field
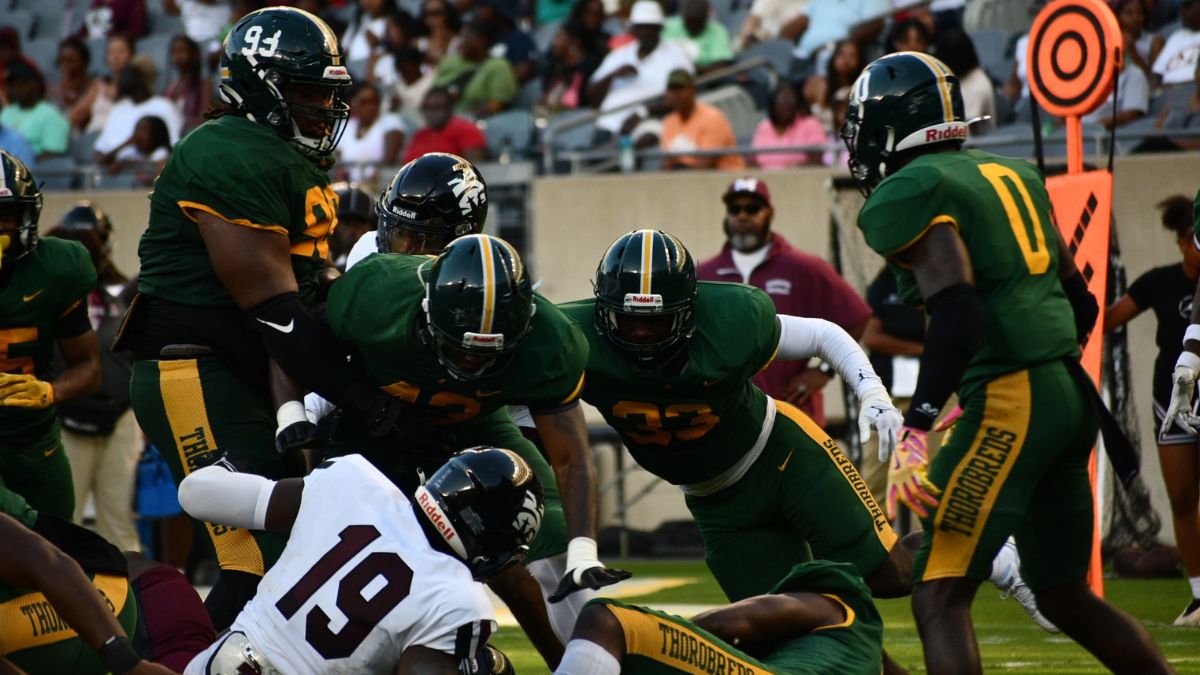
[1008,641]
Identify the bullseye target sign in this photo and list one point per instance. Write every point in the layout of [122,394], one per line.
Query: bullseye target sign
[1075,49]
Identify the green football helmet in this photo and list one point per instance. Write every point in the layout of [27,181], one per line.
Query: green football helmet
[478,305]
[900,101]
[646,274]
[20,208]
[272,53]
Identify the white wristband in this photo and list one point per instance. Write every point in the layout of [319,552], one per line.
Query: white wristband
[1192,333]
[582,554]
[1188,360]
[288,414]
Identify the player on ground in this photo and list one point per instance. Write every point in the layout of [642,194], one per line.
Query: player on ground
[970,235]
[44,284]
[819,620]
[420,558]
[235,253]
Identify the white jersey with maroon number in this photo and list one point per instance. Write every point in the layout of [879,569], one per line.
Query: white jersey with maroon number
[358,583]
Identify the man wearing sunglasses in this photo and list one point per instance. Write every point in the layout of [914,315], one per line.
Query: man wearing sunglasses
[800,284]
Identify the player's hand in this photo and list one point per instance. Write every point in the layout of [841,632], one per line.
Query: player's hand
[876,411]
[25,391]
[1183,389]
[950,419]
[293,430]
[491,661]
[907,480]
[584,570]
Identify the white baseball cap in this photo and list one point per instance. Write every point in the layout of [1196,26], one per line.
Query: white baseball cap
[646,13]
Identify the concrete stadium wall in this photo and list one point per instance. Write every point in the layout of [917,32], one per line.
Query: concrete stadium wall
[575,218]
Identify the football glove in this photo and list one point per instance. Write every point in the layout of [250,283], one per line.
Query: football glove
[907,479]
[875,411]
[25,391]
[491,661]
[1183,388]
[950,419]
[294,431]
[584,570]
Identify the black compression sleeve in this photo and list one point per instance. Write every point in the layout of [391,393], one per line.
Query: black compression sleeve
[1083,305]
[304,347]
[74,322]
[955,329]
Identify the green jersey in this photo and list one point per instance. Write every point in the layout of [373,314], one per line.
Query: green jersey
[1000,208]
[246,174]
[689,427]
[45,285]
[376,306]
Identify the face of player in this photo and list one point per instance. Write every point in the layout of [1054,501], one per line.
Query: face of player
[410,242]
[645,329]
[308,104]
[747,219]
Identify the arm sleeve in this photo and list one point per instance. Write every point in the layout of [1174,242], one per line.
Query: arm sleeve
[955,328]
[801,338]
[217,494]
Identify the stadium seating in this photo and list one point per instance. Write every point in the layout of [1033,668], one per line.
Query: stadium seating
[20,20]
[511,131]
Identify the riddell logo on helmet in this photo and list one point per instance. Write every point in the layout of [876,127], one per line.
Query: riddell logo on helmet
[945,133]
[436,516]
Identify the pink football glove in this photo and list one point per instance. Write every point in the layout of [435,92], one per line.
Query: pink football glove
[907,480]
[950,419]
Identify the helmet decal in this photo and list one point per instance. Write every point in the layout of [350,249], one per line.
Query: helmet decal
[468,188]
[647,266]
[940,71]
[441,521]
[529,519]
[489,285]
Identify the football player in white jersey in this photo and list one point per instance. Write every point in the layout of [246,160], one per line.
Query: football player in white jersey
[370,581]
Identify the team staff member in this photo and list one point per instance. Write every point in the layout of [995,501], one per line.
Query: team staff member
[43,290]
[1168,292]
[800,284]
[970,235]
[235,253]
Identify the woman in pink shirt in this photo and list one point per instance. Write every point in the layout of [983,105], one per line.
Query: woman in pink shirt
[787,125]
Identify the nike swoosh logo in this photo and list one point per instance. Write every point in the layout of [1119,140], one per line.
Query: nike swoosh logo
[485,394]
[280,327]
[50,452]
[33,296]
[783,466]
[709,383]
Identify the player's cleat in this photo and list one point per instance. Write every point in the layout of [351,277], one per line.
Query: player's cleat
[1190,615]
[1008,580]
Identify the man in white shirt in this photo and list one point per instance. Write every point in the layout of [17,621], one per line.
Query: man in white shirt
[638,70]
[833,20]
[1176,63]
[377,583]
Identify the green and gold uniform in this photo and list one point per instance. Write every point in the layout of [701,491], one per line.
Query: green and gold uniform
[45,285]
[1016,462]
[760,477]
[376,307]
[198,404]
[32,634]
[657,643]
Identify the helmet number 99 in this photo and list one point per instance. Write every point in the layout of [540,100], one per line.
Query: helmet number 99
[253,39]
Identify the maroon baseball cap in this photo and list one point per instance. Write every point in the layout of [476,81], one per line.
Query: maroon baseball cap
[748,185]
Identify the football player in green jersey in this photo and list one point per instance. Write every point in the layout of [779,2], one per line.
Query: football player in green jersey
[818,620]
[669,367]
[464,336]
[235,254]
[971,236]
[43,290]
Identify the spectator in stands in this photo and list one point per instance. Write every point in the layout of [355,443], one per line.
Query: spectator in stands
[203,20]
[10,48]
[588,16]
[636,72]
[400,33]
[117,55]
[372,137]
[788,123]
[441,25]
[955,49]
[511,43]
[134,101]
[1168,292]
[29,113]
[772,20]
[549,11]
[694,125]
[12,142]
[144,154]
[910,35]
[705,38]
[821,91]
[190,91]
[568,70]
[800,284]
[412,81]
[444,131]
[1176,63]
[831,20]
[366,32]
[1146,45]
[1134,90]
[74,82]
[483,84]
[106,17]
